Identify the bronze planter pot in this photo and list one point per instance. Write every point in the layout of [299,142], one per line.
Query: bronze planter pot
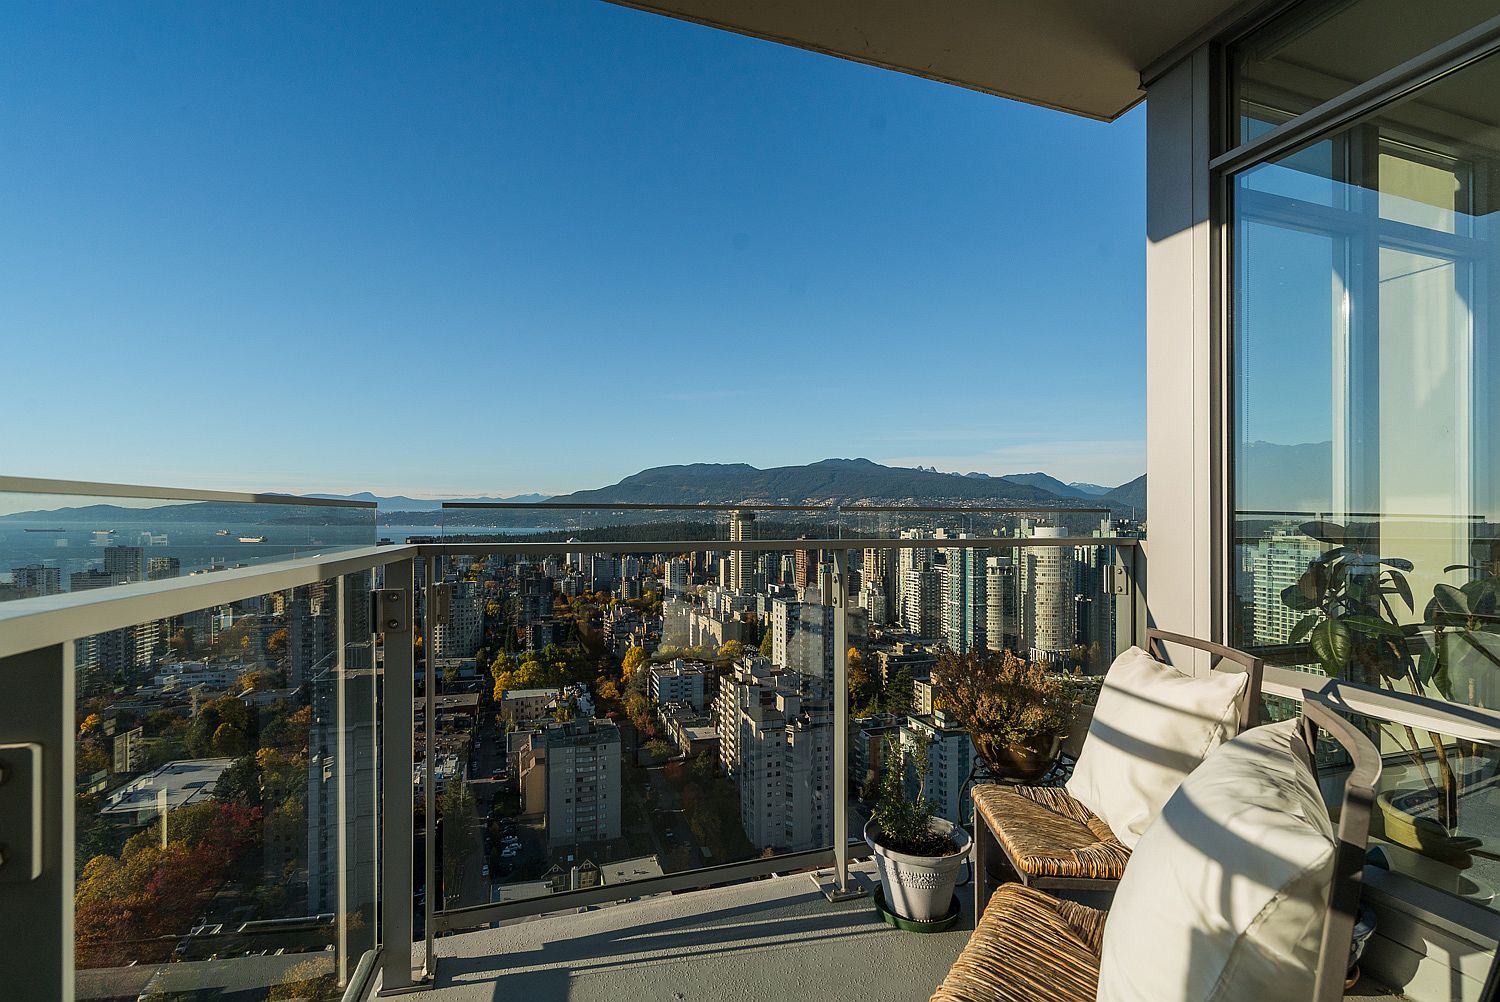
[1020,762]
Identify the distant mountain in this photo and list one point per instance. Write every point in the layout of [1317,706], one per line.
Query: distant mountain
[1129,497]
[1092,490]
[1052,485]
[1285,478]
[828,481]
[401,503]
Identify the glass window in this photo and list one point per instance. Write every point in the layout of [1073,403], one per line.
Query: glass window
[1367,471]
[1321,48]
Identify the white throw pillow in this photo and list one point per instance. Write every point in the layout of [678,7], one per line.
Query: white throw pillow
[1152,726]
[1224,898]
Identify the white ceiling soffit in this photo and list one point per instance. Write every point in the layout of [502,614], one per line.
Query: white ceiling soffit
[1079,56]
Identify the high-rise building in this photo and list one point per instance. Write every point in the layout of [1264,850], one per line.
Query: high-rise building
[461,636]
[679,681]
[34,580]
[578,765]
[950,759]
[802,639]
[126,563]
[1002,612]
[775,743]
[922,600]
[677,575]
[161,568]
[741,562]
[312,633]
[805,565]
[1274,563]
[1048,624]
[87,580]
[965,600]
[877,585]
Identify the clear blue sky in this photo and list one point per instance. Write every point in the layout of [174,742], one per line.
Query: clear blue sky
[506,247]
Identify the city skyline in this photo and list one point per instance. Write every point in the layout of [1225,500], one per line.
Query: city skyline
[211,281]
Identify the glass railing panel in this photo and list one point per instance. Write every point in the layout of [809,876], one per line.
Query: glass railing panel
[55,543]
[548,522]
[579,729]
[1067,607]
[1434,819]
[868,522]
[227,808]
[1411,601]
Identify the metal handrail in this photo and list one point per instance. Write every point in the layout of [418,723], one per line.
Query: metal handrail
[829,507]
[85,488]
[31,624]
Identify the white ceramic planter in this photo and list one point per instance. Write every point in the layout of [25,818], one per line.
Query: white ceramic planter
[920,888]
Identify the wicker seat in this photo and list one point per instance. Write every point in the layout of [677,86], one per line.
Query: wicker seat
[1052,840]
[1048,834]
[1028,947]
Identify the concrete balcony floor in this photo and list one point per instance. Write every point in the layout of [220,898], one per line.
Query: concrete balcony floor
[763,940]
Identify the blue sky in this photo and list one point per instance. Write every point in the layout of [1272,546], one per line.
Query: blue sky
[540,246]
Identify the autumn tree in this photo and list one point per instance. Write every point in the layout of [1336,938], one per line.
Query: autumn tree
[732,650]
[634,659]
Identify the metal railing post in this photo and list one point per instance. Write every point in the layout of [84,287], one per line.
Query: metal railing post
[840,889]
[394,619]
[37,733]
[434,612]
[841,720]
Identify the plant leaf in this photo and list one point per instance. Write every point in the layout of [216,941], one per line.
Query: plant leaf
[1426,665]
[1450,599]
[1400,563]
[1302,629]
[1332,644]
[1293,598]
[1325,532]
[1372,626]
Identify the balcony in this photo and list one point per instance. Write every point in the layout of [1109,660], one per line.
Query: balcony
[658,908]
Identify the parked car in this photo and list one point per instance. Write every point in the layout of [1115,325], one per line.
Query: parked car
[509,852]
[484,871]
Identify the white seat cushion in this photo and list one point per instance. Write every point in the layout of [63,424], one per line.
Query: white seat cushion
[1152,726]
[1224,898]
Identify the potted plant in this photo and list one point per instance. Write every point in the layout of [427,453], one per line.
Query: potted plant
[1350,596]
[917,854]
[1016,712]
[1465,623]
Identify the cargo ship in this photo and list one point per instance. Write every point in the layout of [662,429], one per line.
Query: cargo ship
[252,539]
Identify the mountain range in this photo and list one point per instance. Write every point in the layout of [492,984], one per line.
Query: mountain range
[836,481]
[399,502]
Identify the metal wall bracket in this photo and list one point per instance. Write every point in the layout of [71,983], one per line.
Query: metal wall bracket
[20,813]
[391,612]
[438,601]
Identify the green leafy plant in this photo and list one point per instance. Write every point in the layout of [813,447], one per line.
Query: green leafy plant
[1465,621]
[905,823]
[1350,595]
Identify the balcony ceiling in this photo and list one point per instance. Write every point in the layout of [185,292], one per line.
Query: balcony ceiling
[1080,56]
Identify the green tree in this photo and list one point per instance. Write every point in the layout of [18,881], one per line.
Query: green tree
[899,697]
[766,644]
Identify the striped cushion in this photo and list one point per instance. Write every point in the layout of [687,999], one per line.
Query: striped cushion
[1028,947]
[1047,833]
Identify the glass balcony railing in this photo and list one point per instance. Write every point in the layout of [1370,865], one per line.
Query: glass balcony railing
[697,701]
[67,537]
[694,703]
[580,695]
